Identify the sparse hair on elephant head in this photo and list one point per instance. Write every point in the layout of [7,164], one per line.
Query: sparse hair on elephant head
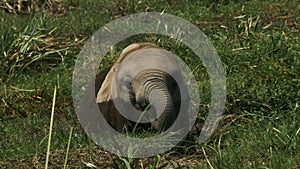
[145,78]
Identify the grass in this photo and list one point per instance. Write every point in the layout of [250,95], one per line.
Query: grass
[257,41]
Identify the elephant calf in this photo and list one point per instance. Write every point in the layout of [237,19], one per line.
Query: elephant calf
[144,78]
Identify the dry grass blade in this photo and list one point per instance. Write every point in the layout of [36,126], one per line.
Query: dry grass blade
[68,148]
[208,162]
[50,130]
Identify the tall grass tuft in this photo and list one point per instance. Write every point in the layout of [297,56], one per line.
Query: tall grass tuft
[35,45]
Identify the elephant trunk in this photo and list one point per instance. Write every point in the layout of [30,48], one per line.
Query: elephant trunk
[162,102]
[154,89]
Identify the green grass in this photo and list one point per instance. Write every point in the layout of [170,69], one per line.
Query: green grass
[257,41]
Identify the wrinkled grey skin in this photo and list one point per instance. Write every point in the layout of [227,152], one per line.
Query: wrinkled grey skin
[139,80]
[156,88]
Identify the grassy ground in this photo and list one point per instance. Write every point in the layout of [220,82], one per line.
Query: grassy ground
[259,45]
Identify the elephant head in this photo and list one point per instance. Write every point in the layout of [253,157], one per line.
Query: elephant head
[144,78]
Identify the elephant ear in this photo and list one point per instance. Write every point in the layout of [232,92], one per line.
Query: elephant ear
[104,94]
[108,110]
[100,77]
[103,89]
